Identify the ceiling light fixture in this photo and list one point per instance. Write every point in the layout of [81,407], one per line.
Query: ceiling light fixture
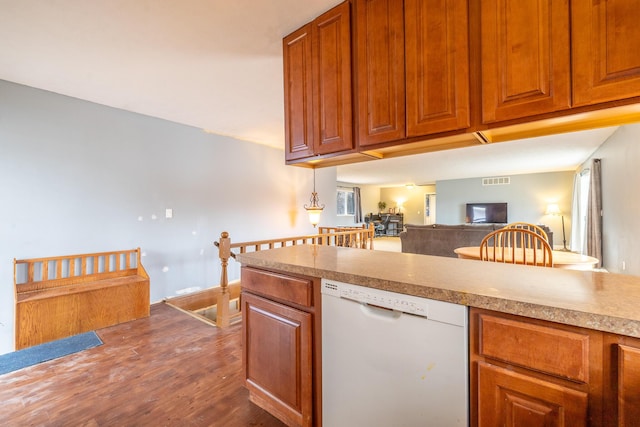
[314,210]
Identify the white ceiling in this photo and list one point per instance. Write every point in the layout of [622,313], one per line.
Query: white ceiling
[217,65]
[212,64]
[534,155]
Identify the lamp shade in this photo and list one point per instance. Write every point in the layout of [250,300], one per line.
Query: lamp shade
[553,209]
[314,214]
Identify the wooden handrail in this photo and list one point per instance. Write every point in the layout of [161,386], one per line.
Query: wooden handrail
[354,237]
[362,238]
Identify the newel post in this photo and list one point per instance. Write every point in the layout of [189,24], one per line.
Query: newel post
[371,234]
[224,250]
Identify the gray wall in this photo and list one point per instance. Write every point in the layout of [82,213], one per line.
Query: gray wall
[77,177]
[527,197]
[620,156]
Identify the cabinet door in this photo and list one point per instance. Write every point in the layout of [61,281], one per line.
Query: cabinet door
[379,44]
[437,66]
[606,50]
[298,94]
[622,370]
[277,358]
[628,385]
[332,80]
[507,398]
[525,58]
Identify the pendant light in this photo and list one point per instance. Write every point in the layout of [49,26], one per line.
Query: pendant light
[314,210]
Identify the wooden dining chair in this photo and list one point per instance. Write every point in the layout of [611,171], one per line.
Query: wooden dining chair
[527,226]
[516,246]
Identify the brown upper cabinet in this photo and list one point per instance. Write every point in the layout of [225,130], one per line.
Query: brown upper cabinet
[543,56]
[317,89]
[412,68]
[298,94]
[525,58]
[437,61]
[437,74]
[606,50]
[379,45]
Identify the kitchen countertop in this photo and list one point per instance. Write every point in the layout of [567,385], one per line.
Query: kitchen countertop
[595,300]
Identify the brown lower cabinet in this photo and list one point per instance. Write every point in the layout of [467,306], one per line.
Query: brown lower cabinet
[527,372]
[523,371]
[281,355]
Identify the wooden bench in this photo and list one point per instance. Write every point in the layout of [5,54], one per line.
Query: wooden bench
[57,297]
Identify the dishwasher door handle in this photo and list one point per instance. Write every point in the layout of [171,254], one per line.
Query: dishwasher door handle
[378,312]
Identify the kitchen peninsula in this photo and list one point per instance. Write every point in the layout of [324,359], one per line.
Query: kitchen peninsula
[563,339]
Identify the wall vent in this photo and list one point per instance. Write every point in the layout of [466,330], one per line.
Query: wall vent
[498,180]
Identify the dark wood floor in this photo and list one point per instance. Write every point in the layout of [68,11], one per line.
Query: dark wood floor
[167,370]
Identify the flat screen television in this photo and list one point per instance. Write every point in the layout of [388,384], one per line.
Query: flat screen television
[485,213]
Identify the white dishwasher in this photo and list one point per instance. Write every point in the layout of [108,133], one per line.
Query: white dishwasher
[392,360]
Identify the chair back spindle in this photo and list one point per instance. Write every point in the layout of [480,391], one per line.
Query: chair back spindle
[516,246]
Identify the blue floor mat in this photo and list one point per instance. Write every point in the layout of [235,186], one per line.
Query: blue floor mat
[48,351]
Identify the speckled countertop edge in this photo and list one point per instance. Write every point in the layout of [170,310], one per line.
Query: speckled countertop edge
[601,301]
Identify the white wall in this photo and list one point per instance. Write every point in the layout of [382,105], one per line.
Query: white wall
[77,177]
[527,197]
[620,156]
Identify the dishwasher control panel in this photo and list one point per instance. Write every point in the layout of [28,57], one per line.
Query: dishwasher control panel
[440,311]
[377,297]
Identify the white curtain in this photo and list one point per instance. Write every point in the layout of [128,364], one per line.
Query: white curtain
[576,229]
[579,211]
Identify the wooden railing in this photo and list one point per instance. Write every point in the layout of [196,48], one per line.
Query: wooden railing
[353,237]
[358,237]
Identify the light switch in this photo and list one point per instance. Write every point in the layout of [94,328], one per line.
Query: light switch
[168,213]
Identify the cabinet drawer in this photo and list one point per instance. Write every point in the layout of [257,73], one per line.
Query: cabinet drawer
[553,351]
[285,288]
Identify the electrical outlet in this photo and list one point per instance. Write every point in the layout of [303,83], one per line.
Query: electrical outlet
[624,265]
[168,213]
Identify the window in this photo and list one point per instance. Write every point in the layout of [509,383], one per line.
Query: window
[346,205]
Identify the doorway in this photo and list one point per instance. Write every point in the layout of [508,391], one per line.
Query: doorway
[429,208]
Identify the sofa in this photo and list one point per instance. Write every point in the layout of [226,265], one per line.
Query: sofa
[442,239]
